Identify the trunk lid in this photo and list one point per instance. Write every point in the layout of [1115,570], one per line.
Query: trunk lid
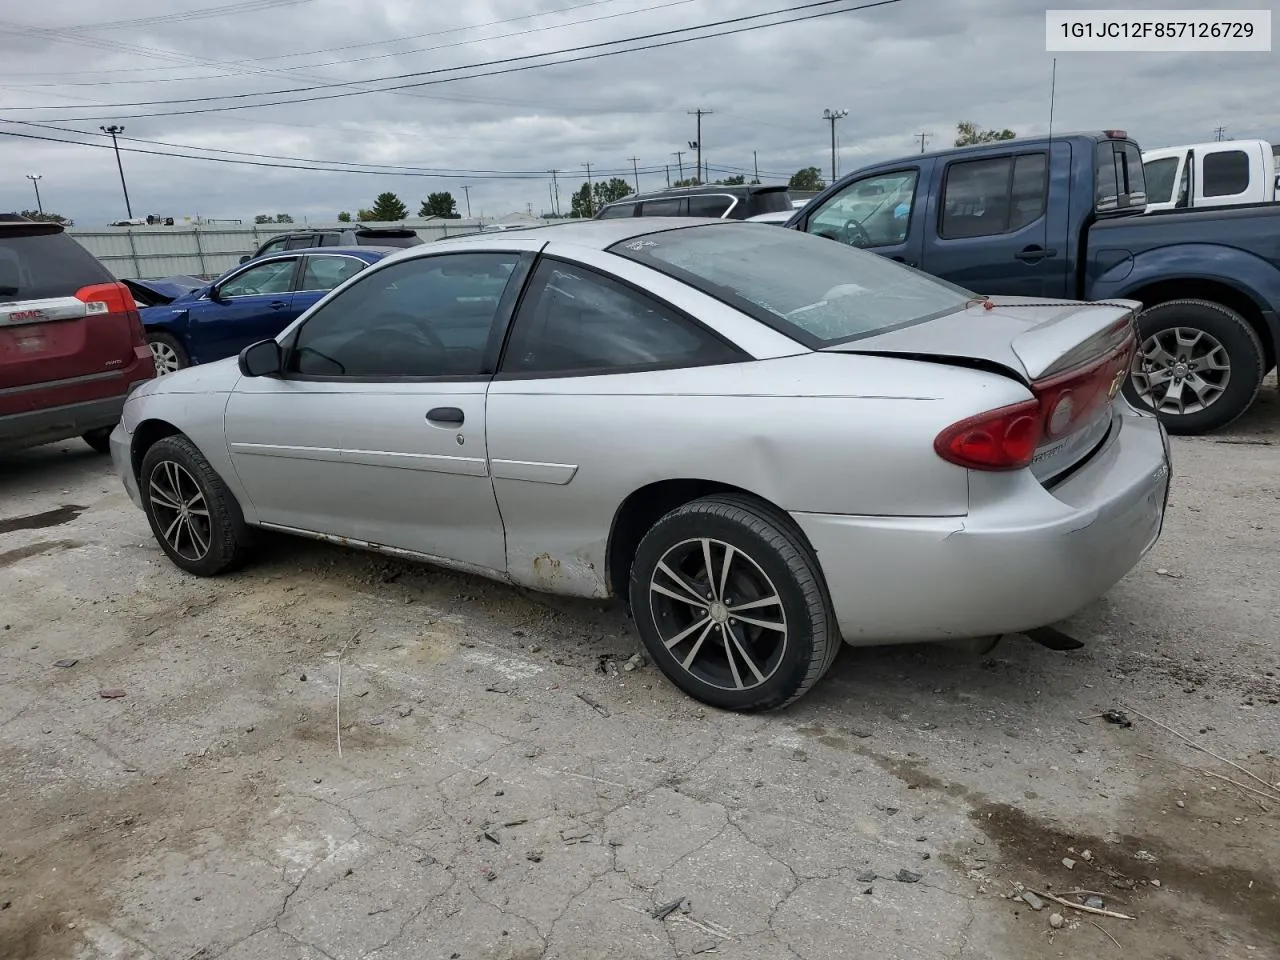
[1072,356]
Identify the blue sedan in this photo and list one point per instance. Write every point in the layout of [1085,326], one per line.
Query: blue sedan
[188,322]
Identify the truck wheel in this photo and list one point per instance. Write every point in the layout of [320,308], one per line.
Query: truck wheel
[1199,365]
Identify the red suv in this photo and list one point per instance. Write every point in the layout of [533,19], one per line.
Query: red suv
[71,341]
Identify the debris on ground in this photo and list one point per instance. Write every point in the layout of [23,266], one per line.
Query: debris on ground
[1031,900]
[1068,863]
[1118,717]
[112,693]
[662,911]
[1146,856]
[1056,920]
[705,946]
[489,873]
[1086,855]
[403,710]
[867,876]
[68,662]
[907,876]
[1161,571]
[635,663]
[1095,903]
[533,856]
[598,708]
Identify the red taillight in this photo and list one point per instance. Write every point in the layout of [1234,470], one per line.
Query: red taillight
[1073,398]
[1002,439]
[106,298]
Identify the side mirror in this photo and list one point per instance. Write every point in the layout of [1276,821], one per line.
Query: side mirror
[262,359]
[214,295]
[246,258]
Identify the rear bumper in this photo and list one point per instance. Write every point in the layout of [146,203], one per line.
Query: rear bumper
[1024,557]
[31,428]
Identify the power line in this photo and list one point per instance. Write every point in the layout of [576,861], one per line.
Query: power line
[230,9]
[489,73]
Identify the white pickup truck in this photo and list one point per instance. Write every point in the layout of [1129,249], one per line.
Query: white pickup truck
[1224,173]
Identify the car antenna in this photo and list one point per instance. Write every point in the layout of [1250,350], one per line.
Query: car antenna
[1048,166]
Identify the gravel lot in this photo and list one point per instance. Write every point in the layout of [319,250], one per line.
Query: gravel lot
[506,789]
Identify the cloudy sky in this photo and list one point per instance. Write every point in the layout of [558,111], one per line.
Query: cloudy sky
[908,67]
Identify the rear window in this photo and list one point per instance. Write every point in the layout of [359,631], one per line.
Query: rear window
[37,262]
[1226,174]
[1121,184]
[771,201]
[815,291]
[673,207]
[391,238]
[711,205]
[1159,175]
[617,210]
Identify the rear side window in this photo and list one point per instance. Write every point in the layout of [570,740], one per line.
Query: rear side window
[983,198]
[715,205]
[1226,174]
[617,210]
[575,320]
[1160,175]
[1121,183]
[770,201]
[302,243]
[273,246]
[36,263]
[325,273]
[674,207]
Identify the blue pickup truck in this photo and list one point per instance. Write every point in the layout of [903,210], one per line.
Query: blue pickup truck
[1059,218]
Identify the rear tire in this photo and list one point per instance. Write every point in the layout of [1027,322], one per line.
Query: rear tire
[1198,367]
[168,352]
[99,440]
[731,605]
[194,517]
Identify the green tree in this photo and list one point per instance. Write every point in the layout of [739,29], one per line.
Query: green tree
[581,203]
[733,181]
[969,133]
[344,217]
[283,218]
[686,182]
[262,218]
[47,217]
[607,191]
[810,178]
[440,205]
[388,207]
[362,214]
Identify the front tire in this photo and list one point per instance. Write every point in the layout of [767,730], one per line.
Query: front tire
[1199,365]
[730,603]
[98,440]
[193,515]
[167,352]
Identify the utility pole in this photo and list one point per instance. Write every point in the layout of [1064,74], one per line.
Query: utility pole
[636,170]
[679,155]
[755,162]
[35,182]
[922,137]
[591,193]
[114,131]
[697,144]
[556,186]
[466,188]
[1219,133]
[667,167]
[832,117]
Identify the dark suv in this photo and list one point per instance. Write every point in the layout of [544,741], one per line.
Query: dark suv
[346,237]
[735,202]
[71,342]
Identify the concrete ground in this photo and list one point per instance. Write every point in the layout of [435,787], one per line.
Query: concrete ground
[505,789]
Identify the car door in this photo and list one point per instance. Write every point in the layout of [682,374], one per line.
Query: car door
[992,229]
[375,430]
[252,304]
[576,379]
[321,273]
[882,212]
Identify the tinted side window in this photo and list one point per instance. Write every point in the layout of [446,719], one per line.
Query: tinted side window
[975,200]
[273,246]
[873,212]
[1160,174]
[576,320]
[674,207]
[1120,180]
[616,210]
[770,201]
[429,317]
[273,277]
[301,243]
[1030,189]
[36,263]
[325,273]
[709,206]
[1226,174]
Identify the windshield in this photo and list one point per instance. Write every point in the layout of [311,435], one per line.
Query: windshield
[817,292]
[1159,176]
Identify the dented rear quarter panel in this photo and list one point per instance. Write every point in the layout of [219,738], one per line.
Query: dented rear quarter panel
[821,433]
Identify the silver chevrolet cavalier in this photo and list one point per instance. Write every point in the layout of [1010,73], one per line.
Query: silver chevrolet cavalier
[765,443]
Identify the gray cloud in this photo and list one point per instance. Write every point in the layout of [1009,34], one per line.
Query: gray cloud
[920,65]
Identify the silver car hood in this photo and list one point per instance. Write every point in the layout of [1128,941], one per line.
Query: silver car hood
[1032,338]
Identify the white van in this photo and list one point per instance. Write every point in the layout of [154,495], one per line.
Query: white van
[1217,174]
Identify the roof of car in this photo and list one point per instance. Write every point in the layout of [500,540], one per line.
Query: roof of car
[595,234]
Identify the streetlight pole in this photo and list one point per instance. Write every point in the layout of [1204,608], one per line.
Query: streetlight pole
[697,144]
[114,131]
[832,116]
[35,182]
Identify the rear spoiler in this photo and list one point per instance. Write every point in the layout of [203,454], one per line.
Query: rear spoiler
[1069,340]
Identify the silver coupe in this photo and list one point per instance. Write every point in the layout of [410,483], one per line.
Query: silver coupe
[763,442]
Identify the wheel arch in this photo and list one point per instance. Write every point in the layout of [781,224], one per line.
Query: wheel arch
[145,436]
[1214,291]
[643,507]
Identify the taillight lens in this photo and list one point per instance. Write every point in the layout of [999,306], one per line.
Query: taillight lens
[106,298]
[1073,398]
[1001,439]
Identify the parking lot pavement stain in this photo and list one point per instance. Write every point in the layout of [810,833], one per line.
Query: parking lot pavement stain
[41,521]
